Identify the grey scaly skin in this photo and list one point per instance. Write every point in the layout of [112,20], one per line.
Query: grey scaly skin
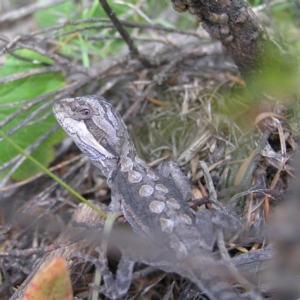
[153,201]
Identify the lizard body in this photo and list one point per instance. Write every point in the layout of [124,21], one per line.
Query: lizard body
[153,201]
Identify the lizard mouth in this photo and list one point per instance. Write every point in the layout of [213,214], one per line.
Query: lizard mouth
[64,120]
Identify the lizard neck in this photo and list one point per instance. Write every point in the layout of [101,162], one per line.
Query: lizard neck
[126,161]
[135,168]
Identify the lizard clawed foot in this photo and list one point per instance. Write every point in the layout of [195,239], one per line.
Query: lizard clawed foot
[114,288]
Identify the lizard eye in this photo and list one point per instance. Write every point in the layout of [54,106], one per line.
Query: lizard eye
[85,112]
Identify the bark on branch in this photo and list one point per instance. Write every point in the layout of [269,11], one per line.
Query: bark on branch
[234,23]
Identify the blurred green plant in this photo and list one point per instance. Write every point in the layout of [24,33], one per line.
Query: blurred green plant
[14,96]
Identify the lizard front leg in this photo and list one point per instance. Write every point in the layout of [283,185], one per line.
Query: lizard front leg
[113,288]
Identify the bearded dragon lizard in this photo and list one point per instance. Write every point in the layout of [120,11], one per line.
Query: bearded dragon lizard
[153,201]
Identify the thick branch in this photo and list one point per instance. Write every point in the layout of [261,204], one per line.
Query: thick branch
[234,23]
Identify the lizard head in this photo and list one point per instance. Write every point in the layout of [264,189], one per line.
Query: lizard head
[96,128]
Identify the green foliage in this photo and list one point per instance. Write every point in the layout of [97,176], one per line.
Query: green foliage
[82,47]
[50,16]
[17,93]
[77,45]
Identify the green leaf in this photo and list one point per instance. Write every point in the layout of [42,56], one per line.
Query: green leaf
[84,53]
[51,16]
[20,91]
[92,12]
